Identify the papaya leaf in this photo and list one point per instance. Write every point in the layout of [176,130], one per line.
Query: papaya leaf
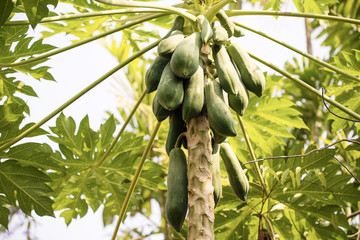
[349,96]
[26,186]
[267,118]
[4,212]
[6,8]
[84,183]
[317,6]
[37,10]
[32,154]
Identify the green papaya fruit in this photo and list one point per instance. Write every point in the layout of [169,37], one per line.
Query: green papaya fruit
[170,89]
[167,46]
[252,76]
[194,95]
[226,22]
[177,194]
[159,111]
[229,78]
[240,101]
[206,30]
[177,25]
[220,35]
[238,32]
[237,178]
[215,173]
[185,59]
[219,115]
[176,127]
[153,73]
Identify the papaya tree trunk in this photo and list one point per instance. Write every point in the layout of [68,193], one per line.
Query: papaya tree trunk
[200,189]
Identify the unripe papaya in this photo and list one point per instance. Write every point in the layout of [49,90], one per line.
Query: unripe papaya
[153,74]
[159,111]
[219,115]
[206,30]
[170,90]
[176,127]
[226,22]
[167,46]
[177,193]
[215,173]
[220,35]
[229,78]
[177,25]
[185,59]
[237,178]
[194,95]
[252,76]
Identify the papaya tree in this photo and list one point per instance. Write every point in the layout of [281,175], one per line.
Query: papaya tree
[227,150]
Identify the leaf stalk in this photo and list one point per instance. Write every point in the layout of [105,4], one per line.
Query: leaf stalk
[116,139]
[232,13]
[122,3]
[308,87]
[252,153]
[84,15]
[335,69]
[135,179]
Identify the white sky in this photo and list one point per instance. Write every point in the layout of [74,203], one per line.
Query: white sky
[75,69]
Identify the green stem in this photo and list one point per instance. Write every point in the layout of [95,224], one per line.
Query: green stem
[252,153]
[77,44]
[292,14]
[210,14]
[335,69]
[83,15]
[134,181]
[308,87]
[177,143]
[116,139]
[175,10]
[77,96]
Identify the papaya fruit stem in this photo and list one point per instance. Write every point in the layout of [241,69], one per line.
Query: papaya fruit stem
[177,143]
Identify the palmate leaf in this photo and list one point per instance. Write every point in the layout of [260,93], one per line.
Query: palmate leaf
[6,8]
[25,46]
[267,118]
[349,96]
[37,9]
[82,184]
[32,154]
[348,61]
[26,186]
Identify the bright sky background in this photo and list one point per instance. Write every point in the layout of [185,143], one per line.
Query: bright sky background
[76,69]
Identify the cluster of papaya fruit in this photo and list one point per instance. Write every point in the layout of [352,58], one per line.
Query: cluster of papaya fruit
[187,81]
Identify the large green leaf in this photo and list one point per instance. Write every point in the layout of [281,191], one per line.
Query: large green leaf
[6,7]
[27,187]
[37,9]
[83,184]
[273,118]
